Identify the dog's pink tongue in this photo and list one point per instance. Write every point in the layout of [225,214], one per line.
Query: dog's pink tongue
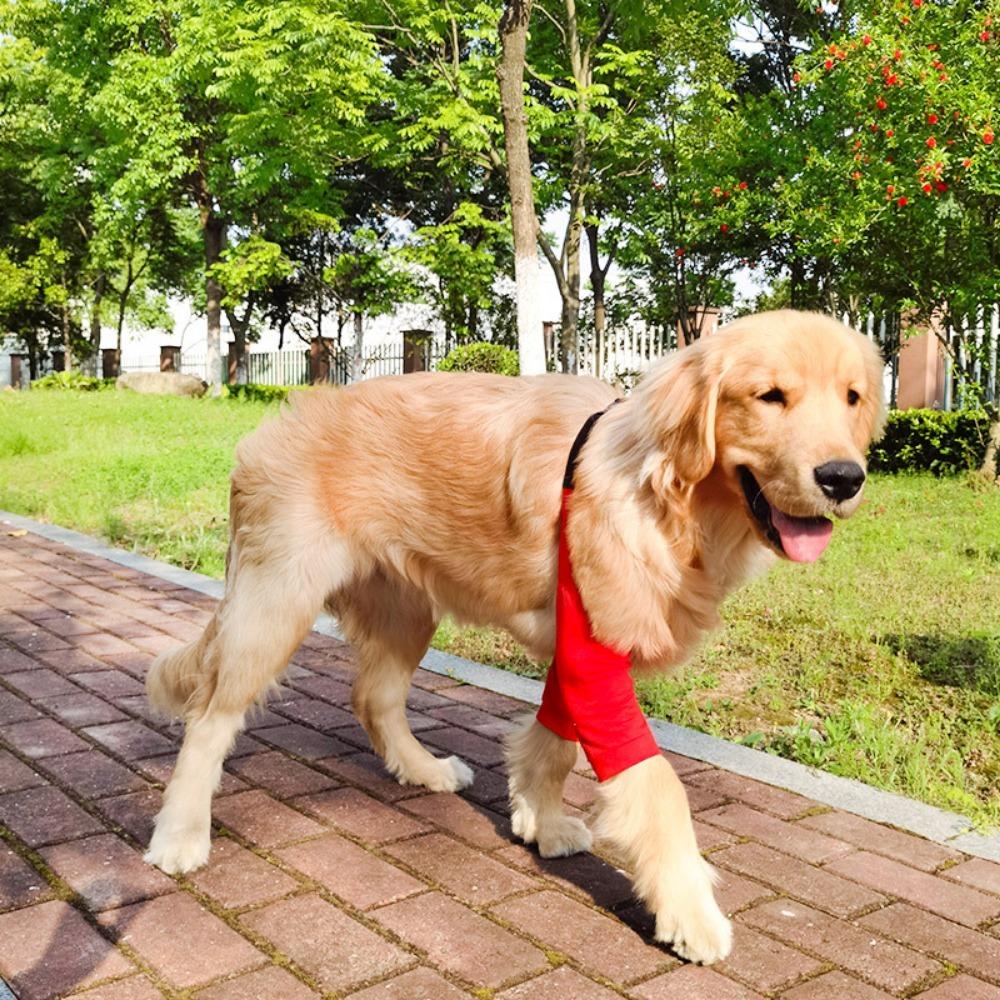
[802,538]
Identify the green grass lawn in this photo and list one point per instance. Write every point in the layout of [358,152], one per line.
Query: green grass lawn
[881,663]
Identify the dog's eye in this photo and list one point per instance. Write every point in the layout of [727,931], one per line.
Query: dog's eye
[852,398]
[772,396]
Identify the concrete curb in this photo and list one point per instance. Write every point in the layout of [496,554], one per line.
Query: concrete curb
[851,796]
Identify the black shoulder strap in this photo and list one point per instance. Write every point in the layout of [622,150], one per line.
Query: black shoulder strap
[581,440]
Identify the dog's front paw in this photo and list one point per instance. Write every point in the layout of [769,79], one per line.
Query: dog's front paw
[178,851]
[565,835]
[447,774]
[694,926]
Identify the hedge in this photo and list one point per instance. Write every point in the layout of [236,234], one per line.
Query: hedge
[481,357]
[72,380]
[937,441]
[259,393]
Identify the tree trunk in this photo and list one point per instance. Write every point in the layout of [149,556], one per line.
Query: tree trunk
[510,75]
[94,340]
[358,350]
[215,236]
[990,464]
[598,275]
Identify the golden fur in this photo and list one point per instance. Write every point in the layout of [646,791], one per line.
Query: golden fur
[401,499]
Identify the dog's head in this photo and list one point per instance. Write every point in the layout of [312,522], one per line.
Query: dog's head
[778,409]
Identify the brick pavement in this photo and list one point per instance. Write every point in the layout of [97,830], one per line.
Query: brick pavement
[328,878]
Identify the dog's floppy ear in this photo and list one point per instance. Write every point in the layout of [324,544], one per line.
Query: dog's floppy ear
[678,402]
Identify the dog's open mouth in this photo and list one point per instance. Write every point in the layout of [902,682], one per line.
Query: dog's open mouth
[801,539]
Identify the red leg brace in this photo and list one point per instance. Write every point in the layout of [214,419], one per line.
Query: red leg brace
[589,694]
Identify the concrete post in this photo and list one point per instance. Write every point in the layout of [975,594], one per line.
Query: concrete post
[921,371]
[170,358]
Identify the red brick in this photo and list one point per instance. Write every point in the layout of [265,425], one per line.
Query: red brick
[778,833]
[66,625]
[976,872]
[44,816]
[817,886]
[584,875]
[734,893]
[181,940]
[82,709]
[430,681]
[42,738]
[111,684]
[711,837]
[356,736]
[350,872]
[271,983]
[460,941]
[701,798]
[105,872]
[845,944]
[134,812]
[13,660]
[236,877]
[35,640]
[360,815]
[280,775]
[489,726]
[974,952]
[336,950]
[93,775]
[598,943]
[835,984]
[14,709]
[786,805]
[693,982]
[326,688]
[131,740]
[312,712]
[262,820]
[488,701]
[488,788]
[14,775]
[475,824]
[913,851]
[367,772]
[20,884]
[102,644]
[561,984]
[304,742]
[135,663]
[40,683]
[133,988]
[50,949]
[471,876]
[421,700]
[469,746]
[961,988]
[71,661]
[763,963]
[418,984]
[964,906]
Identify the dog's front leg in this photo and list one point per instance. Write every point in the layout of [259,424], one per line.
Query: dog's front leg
[643,812]
[538,762]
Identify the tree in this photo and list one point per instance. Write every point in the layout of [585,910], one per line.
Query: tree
[513,31]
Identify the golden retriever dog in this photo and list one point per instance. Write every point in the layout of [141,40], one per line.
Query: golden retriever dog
[398,500]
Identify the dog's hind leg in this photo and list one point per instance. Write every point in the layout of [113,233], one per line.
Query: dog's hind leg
[538,762]
[390,624]
[274,592]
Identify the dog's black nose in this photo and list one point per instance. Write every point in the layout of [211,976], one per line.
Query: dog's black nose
[839,480]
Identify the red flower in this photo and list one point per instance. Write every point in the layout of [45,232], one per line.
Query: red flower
[984,36]
[967,162]
[988,137]
[889,188]
[926,187]
[828,64]
[902,201]
[724,228]
[796,77]
[889,133]
[941,186]
[856,175]
[867,40]
[742,185]
[881,104]
[679,252]
[897,55]
[931,143]
[918,3]
[932,119]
